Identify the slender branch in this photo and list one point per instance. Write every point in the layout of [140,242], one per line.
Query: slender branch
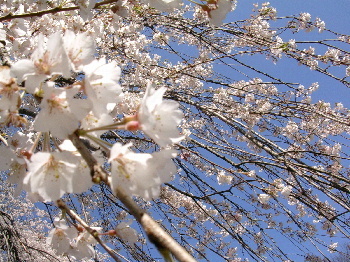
[10,16]
[92,232]
[155,233]
[98,174]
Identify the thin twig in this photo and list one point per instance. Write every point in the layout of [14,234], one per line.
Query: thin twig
[10,16]
[154,231]
[92,232]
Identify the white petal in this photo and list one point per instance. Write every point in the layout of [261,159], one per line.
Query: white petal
[22,68]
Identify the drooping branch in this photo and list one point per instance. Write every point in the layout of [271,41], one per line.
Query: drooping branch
[155,233]
[54,10]
[92,232]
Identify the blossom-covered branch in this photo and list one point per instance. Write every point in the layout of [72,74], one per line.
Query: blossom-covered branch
[159,113]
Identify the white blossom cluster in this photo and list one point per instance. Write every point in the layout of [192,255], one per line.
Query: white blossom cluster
[51,174]
[255,154]
[88,104]
[71,241]
[304,23]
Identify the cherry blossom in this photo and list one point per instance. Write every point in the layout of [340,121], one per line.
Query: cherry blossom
[70,241]
[101,85]
[159,118]
[14,159]
[51,175]
[61,236]
[9,90]
[286,190]
[45,62]
[9,99]
[83,244]
[164,5]
[121,8]
[217,10]
[333,247]
[264,198]
[6,159]
[59,106]
[80,49]
[224,179]
[85,7]
[140,174]
[91,121]
[126,233]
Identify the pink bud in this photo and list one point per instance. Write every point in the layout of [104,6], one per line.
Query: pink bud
[132,126]
[111,232]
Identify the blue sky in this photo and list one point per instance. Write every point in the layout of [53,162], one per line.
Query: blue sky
[337,18]
[335,15]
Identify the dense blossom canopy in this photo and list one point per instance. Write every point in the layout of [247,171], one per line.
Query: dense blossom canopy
[131,123]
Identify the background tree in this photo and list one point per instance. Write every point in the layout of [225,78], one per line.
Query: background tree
[262,171]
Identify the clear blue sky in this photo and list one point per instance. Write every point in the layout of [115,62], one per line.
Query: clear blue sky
[336,15]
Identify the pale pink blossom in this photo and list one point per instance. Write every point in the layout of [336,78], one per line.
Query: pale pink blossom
[51,175]
[9,90]
[68,241]
[9,99]
[286,191]
[101,85]
[91,121]
[121,8]
[46,60]
[263,198]
[332,248]
[217,10]
[85,8]
[126,233]
[164,5]
[321,25]
[80,49]
[13,159]
[9,161]
[83,244]
[7,157]
[61,236]
[159,118]
[140,174]
[223,178]
[58,106]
